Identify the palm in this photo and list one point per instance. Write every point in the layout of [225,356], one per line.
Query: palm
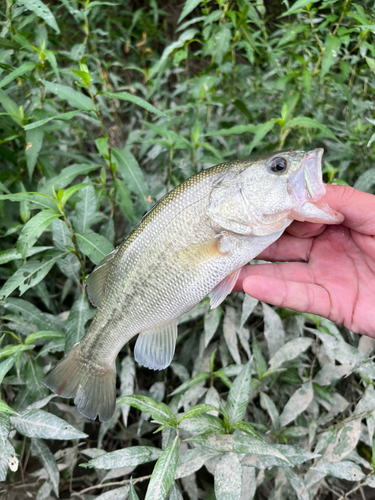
[336,278]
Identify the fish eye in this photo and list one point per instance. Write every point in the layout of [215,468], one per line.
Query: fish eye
[279,165]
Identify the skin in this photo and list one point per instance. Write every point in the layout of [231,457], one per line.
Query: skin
[324,270]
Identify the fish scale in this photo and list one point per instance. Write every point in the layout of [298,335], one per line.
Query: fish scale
[191,244]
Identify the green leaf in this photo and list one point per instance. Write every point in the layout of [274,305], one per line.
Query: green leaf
[34,228]
[305,122]
[41,10]
[261,132]
[163,473]
[203,424]
[10,107]
[39,199]
[95,246]
[30,274]
[4,408]
[72,190]
[34,377]
[371,63]
[290,350]
[62,116]
[75,326]
[5,366]
[126,457]
[159,411]
[124,199]
[12,349]
[211,324]
[132,493]
[41,451]
[331,50]
[84,76]
[247,429]
[366,181]
[34,141]
[85,211]
[73,97]
[297,7]
[189,6]
[221,44]
[125,96]
[197,410]
[238,396]
[298,403]
[228,478]
[197,379]
[24,68]
[40,424]
[130,171]
[43,335]
[236,130]
[237,443]
[342,470]
[192,460]
[13,254]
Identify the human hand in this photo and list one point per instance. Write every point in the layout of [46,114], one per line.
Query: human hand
[330,270]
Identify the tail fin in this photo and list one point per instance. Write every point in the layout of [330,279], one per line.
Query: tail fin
[93,386]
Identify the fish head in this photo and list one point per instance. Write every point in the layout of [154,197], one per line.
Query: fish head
[265,194]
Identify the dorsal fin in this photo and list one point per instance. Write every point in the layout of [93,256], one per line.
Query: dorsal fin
[155,348]
[95,283]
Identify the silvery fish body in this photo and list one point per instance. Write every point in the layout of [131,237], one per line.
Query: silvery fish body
[193,243]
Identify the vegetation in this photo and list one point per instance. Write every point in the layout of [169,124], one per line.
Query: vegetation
[104,107]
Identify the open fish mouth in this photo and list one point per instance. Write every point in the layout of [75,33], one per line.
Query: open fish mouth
[307,189]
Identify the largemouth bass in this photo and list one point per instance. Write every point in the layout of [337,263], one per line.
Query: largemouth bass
[191,244]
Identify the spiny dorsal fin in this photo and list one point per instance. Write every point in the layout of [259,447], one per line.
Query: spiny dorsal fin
[218,294]
[155,348]
[95,283]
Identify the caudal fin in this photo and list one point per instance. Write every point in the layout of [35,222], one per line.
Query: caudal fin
[92,386]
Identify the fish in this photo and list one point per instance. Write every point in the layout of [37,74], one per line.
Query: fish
[190,245]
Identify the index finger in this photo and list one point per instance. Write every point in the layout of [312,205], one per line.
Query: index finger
[357,207]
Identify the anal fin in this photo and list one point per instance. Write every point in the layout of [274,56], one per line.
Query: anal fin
[218,294]
[155,348]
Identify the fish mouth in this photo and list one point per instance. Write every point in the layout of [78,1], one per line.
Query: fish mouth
[306,188]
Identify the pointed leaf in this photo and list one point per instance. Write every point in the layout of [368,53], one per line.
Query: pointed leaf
[127,457]
[130,171]
[125,96]
[94,245]
[40,424]
[228,478]
[342,470]
[41,450]
[41,10]
[75,326]
[159,411]
[73,97]
[297,404]
[238,396]
[30,274]
[163,473]
[34,228]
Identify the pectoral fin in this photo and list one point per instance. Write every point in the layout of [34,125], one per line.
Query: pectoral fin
[218,294]
[95,283]
[198,253]
[155,348]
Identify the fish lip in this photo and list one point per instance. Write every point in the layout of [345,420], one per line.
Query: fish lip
[306,185]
